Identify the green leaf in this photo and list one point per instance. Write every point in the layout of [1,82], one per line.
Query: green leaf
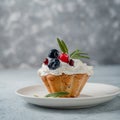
[83,53]
[75,57]
[77,54]
[65,46]
[72,53]
[60,45]
[79,57]
[57,94]
[85,57]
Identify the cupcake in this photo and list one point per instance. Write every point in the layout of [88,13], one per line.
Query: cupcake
[64,74]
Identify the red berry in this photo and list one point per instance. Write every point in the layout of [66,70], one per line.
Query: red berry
[45,61]
[71,62]
[64,57]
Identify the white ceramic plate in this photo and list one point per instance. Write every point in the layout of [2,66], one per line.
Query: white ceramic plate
[92,95]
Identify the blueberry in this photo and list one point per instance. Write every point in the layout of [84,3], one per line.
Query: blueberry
[53,53]
[54,64]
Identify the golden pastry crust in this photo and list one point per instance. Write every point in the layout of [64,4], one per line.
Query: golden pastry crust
[73,84]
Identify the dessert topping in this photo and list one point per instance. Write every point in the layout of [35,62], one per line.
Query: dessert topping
[71,62]
[55,56]
[45,61]
[53,53]
[54,64]
[77,54]
[64,57]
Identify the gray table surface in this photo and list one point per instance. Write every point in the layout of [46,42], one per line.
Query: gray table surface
[13,107]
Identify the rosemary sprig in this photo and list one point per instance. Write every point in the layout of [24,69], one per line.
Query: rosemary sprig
[77,54]
[62,46]
[65,46]
[57,94]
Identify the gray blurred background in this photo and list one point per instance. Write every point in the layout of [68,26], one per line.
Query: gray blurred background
[28,30]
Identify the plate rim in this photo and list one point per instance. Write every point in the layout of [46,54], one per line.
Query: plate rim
[77,98]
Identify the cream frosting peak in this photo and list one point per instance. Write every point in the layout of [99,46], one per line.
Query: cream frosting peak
[78,68]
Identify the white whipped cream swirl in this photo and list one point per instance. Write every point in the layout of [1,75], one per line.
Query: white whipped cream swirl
[78,68]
